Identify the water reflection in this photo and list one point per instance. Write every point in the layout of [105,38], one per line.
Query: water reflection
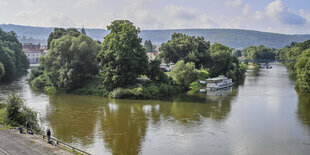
[303,109]
[123,124]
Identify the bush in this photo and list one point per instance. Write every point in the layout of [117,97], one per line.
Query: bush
[40,82]
[2,70]
[203,75]
[35,73]
[140,93]
[91,87]
[18,113]
[120,93]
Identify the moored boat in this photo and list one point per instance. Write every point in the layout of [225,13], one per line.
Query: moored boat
[219,82]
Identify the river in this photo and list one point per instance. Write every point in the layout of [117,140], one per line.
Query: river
[264,115]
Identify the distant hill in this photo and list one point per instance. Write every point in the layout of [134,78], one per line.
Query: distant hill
[230,37]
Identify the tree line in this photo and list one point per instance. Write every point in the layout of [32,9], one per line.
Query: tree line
[74,60]
[13,62]
[297,59]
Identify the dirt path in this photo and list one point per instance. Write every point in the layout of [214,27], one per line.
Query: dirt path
[12,142]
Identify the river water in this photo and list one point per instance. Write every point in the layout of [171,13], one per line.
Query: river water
[264,115]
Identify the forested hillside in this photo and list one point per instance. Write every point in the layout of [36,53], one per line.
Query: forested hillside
[230,37]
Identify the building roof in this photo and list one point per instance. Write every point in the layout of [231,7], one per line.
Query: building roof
[32,51]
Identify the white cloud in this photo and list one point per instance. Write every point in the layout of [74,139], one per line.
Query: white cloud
[246,9]
[85,3]
[279,11]
[3,3]
[180,12]
[234,3]
[42,18]
[305,15]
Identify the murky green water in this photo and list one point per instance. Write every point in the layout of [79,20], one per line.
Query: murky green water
[265,115]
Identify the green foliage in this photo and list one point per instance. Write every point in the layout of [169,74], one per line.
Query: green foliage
[18,113]
[2,71]
[296,57]
[186,48]
[40,82]
[148,46]
[303,71]
[2,115]
[120,93]
[224,63]
[154,72]
[14,61]
[203,75]
[150,91]
[258,53]
[60,32]
[70,61]
[91,87]
[83,31]
[184,74]
[122,56]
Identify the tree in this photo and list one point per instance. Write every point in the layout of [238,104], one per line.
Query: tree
[2,71]
[59,32]
[18,113]
[303,71]
[221,60]
[13,59]
[154,72]
[149,47]
[122,56]
[258,53]
[71,60]
[224,63]
[83,31]
[184,74]
[186,48]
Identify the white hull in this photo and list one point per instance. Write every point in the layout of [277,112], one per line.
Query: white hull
[220,87]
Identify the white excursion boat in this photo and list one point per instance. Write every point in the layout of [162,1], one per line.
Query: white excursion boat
[219,82]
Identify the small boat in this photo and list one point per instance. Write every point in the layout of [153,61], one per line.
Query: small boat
[219,82]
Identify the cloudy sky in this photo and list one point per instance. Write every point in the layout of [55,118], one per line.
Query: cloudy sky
[281,16]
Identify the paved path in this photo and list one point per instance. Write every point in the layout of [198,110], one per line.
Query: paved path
[14,143]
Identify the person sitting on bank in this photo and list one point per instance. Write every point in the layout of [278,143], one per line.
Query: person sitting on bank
[48,135]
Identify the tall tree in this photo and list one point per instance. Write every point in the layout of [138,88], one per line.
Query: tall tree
[13,59]
[303,71]
[184,74]
[148,46]
[59,32]
[258,52]
[83,31]
[71,60]
[187,48]
[122,56]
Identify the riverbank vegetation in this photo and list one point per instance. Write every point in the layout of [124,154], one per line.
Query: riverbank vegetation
[259,52]
[14,112]
[13,62]
[297,59]
[77,64]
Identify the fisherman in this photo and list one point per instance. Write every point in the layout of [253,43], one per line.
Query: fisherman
[48,135]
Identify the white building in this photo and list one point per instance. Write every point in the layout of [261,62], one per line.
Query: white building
[33,52]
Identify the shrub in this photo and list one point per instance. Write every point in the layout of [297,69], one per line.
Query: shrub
[40,82]
[140,92]
[120,93]
[203,75]
[18,113]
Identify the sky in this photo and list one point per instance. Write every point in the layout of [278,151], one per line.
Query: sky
[279,16]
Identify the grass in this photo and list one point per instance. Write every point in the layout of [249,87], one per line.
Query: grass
[2,116]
